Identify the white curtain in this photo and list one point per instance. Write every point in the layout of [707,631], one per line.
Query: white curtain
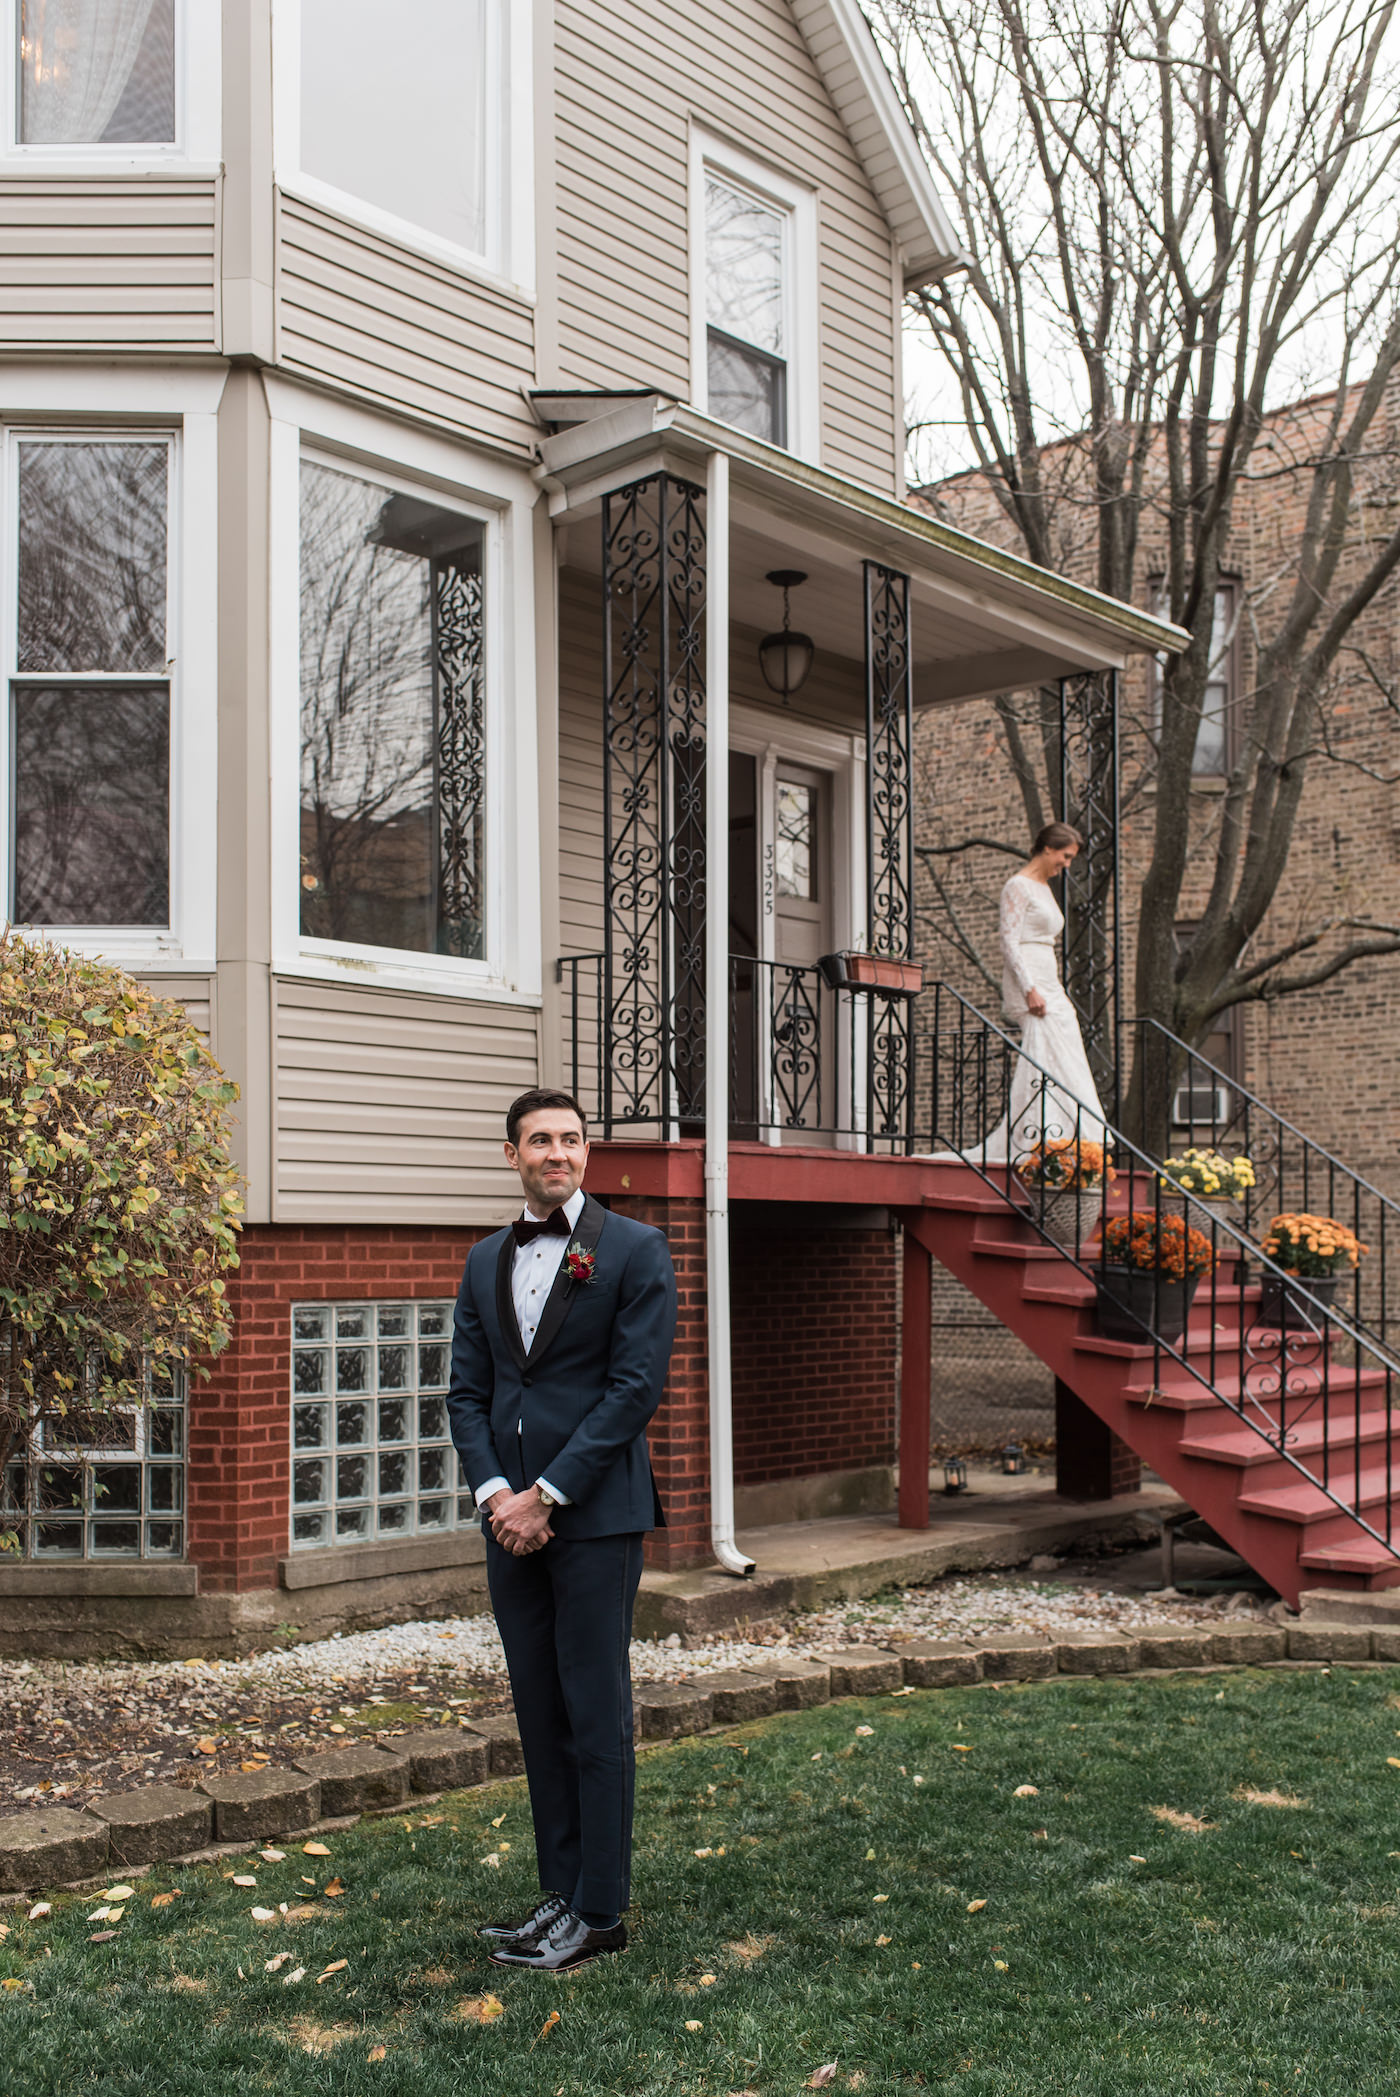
[78,56]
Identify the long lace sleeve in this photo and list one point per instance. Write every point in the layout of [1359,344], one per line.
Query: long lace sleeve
[1015,904]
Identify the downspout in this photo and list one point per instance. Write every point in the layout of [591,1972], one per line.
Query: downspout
[730,1557]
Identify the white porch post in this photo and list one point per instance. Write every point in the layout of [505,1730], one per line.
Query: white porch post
[717,1014]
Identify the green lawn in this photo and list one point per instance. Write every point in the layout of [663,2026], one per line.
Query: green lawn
[834,1920]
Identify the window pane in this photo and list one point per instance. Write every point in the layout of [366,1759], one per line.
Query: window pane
[92,805]
[797,812]
[92,530]
[97,72]
[743,265]
[747,391]
[394,115]
[392,719]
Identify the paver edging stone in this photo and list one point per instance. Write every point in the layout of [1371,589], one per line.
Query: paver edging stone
[357,1779]
[664,1710]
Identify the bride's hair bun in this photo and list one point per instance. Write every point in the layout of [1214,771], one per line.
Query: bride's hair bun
[1055,836]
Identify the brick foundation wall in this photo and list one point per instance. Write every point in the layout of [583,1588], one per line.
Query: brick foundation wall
[815,1346]
[239,1482]
[680,1431]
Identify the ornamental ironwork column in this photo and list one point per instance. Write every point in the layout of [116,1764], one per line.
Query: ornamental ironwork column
[1088,798]
[889,841]
[459,752]
[653,805]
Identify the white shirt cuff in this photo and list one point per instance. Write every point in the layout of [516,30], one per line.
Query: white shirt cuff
[554,1492]
[492,1485]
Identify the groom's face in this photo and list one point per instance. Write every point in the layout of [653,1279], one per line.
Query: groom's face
[549,1154]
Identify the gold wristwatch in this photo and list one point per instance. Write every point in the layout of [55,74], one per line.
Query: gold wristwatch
[547,1498]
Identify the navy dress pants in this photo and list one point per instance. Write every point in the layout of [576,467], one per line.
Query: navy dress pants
[565,1618]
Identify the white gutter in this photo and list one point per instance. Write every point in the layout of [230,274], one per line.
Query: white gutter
[730,1557]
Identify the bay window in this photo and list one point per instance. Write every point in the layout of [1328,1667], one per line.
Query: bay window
[109,82]
[392,712]
[89,685]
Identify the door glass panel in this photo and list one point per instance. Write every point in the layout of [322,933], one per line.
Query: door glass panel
[796,839]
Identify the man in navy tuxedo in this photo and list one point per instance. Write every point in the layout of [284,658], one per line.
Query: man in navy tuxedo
[561,1343]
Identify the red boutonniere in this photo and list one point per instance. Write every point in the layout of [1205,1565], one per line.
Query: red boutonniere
[579,1263]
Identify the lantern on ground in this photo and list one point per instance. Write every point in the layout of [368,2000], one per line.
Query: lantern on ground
[1013,1460]
[954,1475]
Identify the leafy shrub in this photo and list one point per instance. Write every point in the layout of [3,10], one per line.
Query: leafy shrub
[119,1206]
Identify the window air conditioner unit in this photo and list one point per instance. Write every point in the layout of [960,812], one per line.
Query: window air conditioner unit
[1199,1103]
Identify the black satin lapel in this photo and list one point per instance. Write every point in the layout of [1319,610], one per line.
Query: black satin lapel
[505,1300]
[586,1234]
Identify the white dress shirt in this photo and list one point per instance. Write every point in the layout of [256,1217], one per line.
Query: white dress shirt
[533,1275]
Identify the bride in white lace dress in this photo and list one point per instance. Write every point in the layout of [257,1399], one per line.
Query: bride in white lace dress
[1034,998]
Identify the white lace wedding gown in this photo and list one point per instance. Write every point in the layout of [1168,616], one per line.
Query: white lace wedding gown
[1031,922]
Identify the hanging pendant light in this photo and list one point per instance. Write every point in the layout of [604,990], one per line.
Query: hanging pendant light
[785,658]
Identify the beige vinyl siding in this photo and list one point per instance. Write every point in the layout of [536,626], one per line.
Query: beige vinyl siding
[580,814]
[195,994]
[401,330]
[109,264]
[629,83]
[390,1107]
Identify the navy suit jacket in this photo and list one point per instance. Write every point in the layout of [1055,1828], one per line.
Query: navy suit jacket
[577,1406]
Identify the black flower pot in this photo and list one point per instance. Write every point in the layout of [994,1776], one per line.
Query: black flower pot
[1286,1303]
[1135,1301]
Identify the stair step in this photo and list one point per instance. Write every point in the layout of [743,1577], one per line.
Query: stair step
[1302,1502]
[1361,1557]
[1241,1446]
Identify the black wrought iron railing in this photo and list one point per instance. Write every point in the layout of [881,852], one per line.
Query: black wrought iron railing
[1297,1370]
[807,1062]
[1177,1100]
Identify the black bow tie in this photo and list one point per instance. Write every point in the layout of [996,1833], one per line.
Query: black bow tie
[555,1225]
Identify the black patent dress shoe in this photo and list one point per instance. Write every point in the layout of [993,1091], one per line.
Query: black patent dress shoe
[531,1929]
[567,1942]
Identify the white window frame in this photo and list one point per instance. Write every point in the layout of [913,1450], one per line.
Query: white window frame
[502,499]
[508,261]
[74,411]
[198,55]
[801,305]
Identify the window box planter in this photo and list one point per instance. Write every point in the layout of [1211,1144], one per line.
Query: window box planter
[852,971]
[1135,1301]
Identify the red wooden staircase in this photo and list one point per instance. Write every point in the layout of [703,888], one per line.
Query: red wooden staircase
[1282,1439]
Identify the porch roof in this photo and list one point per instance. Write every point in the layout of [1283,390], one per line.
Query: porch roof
[983,620]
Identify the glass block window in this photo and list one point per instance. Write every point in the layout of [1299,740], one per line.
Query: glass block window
[371,1452]
[105,1484]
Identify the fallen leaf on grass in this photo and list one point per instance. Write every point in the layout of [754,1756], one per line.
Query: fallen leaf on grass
[883,1940]
[274,1965]
[707,1980]
[1135,1859]
[100,1915]
[16,1987]
[273,1856]
[376,2053]
[864,1732]
[251,1769]
[118,1893]
[1189,1823]
[4,1931]
[314,1849]
[975,1907]
[263,1914]
[880,1899]
[492,1858]
[336,1966]
[1249,1796]
[334,1888]
[1026,1791]
[960,1747]
[102,1936]
[820,2077]
[1000,1966]
[289,1980]
[40,1907]
[115,1914]
[479,2009]
[1040,1834]
[163,1900]
[242,1878]
[549,2023]
[704,1852]
[693,2024]
[303,1912]
[320,2038]
[499,1821]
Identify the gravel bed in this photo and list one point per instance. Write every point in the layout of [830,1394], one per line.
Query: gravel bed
[76,1730]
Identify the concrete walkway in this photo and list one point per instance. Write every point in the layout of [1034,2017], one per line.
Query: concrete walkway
[998,1521]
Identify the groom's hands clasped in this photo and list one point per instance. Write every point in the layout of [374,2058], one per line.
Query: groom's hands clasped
[519,1521]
